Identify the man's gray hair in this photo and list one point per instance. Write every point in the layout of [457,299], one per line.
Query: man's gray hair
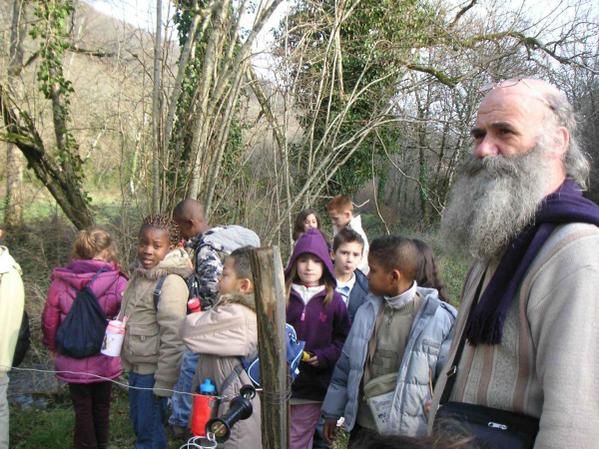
[576,161]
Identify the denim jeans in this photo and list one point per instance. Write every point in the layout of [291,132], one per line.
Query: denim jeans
[182,402]
[147,413]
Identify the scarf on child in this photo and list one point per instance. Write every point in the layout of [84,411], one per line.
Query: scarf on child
[565,205]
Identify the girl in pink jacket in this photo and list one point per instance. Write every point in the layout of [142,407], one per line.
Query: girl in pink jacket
[94,257]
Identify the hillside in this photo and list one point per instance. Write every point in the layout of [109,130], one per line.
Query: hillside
[110,67]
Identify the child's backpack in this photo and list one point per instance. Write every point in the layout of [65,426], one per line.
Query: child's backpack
[226,239]
[251,364]
[23,341]
[193,286]
[211,248]
[221,239]
[82,332]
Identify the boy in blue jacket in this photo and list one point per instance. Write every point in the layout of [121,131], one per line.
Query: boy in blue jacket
[395,350]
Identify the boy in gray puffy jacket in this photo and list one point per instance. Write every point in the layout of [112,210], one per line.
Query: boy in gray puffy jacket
[395,350]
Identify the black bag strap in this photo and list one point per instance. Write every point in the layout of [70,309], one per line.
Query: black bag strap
[157,290]
[232,375]
[452,374]
[95,276]
[87,286]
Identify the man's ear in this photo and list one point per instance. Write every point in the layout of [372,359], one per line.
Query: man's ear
[559,138]
[333,255]
[562,139]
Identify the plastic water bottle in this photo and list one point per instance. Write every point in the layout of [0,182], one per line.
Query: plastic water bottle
[204,407]
[113,338]
[194,305]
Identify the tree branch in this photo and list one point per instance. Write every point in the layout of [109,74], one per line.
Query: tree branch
[531,43]
[461,12]
[438,74]
[89,52]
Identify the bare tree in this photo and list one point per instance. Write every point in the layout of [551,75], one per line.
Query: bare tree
[13,215]
[399,82]
[218,72]
[156,108]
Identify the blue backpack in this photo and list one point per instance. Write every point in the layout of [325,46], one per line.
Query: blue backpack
[251,363]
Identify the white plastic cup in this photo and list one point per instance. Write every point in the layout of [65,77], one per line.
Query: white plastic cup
[113,339]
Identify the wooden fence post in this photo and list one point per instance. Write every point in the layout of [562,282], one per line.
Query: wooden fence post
[271,301]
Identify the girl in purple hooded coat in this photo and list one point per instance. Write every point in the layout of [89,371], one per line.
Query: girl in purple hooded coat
[320,318]
[94,256]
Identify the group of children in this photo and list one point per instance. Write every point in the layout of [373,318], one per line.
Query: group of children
[374,345]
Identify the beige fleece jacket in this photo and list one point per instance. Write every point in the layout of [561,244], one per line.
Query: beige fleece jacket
[547,364]
[222,335]
[12,302]
[152,343]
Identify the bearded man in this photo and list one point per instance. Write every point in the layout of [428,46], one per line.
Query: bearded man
[529,314]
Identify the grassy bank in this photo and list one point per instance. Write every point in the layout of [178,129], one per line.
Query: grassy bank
[52,428]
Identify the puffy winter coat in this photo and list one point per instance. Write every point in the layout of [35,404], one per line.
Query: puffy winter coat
[210,249]
[66,282]
[425,354]
[222,335]
[323,327]
[152,343]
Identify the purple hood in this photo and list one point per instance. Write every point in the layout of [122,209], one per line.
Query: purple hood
[313,242]
[81,271]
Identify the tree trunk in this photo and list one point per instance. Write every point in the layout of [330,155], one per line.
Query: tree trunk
[156,110]
[62,184]
[13,214]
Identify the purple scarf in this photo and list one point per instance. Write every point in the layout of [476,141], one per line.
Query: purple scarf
[565,205]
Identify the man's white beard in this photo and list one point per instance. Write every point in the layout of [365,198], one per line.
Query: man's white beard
[493,200]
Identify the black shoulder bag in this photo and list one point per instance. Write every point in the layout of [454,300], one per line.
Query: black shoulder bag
[491,427]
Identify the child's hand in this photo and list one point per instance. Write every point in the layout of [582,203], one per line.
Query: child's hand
[428,404]
[313,361]
[330,429]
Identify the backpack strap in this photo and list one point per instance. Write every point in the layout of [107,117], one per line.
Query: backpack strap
[231,377]
[157,290]
[88,285]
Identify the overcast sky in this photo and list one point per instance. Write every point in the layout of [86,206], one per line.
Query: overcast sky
[141,13]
